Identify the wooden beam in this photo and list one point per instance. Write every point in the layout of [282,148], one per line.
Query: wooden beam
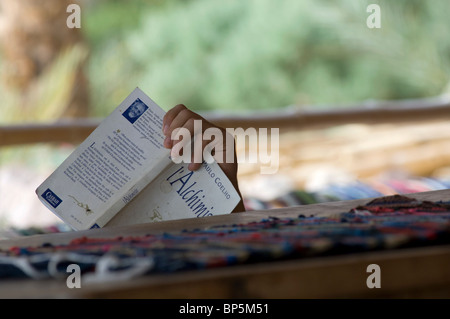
[291,118]
[59,132]
[296,118]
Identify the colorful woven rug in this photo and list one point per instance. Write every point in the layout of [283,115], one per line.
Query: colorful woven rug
[386,223]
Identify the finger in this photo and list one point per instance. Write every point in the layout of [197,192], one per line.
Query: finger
[216,143]
[194,166]
[170,115]
[188,139]
[207,148]
[183,128]
[167,142]
[171,130]
[180,119]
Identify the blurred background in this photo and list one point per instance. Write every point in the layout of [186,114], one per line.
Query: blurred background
[235,58]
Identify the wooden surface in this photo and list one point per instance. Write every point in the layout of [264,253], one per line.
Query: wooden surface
[415,272]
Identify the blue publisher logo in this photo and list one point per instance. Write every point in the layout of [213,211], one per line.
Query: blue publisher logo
[51,198]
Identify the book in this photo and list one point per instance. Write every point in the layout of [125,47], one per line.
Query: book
[121,174]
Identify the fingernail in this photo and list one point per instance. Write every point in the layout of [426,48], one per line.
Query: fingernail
[166,129]
[167,142]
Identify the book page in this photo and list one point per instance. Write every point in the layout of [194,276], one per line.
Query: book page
[178,193]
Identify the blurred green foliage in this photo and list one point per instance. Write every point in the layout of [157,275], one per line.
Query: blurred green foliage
[261,54]
[247,55]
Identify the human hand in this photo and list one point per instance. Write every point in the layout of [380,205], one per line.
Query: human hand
[224,153]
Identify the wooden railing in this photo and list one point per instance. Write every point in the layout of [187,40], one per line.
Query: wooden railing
[290,118]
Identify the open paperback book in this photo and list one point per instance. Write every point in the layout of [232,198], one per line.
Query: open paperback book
[122,174]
